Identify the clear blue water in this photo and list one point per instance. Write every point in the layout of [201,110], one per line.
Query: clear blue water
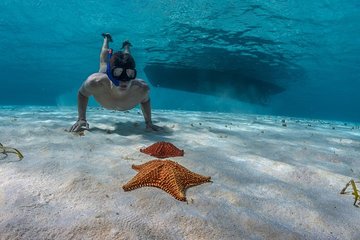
[310,48]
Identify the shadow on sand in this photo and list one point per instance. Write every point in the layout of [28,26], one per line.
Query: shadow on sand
[136,128]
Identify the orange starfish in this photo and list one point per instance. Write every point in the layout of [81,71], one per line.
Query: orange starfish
[166,175]
[163,150]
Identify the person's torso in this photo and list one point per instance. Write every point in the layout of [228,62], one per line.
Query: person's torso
[111,97]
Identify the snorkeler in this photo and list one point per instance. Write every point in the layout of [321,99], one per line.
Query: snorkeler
[115,86]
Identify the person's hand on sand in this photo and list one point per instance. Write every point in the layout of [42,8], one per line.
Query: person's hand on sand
[79,125]
[152,127]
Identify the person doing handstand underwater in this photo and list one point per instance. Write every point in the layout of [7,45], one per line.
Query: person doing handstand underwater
[115,86]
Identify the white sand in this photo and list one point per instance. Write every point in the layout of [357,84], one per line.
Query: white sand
[269,181]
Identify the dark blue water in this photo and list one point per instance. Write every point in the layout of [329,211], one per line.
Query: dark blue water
[310,49]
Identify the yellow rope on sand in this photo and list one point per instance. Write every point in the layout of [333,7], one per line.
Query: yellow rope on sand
[6,150]
[355,191]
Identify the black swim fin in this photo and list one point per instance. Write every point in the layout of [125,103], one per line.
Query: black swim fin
[108,36]
[127,42]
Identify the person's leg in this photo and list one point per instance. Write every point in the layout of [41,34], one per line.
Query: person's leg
[104,52]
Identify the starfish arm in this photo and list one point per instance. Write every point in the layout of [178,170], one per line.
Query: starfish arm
[146,165]
[140,180]
[174,190]
[190,178]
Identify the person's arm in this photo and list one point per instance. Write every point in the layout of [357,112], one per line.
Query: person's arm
[82,105]
[81,123]
[146,110]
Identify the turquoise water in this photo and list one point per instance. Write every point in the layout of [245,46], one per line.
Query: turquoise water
[310,49]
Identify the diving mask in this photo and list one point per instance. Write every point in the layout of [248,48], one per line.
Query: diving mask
[124,74]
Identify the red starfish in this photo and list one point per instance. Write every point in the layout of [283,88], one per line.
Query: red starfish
[166,175]
[163,150]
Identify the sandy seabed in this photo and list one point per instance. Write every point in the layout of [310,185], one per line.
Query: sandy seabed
[269,181]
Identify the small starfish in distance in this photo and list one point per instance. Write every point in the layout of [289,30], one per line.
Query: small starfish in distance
[163,150]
